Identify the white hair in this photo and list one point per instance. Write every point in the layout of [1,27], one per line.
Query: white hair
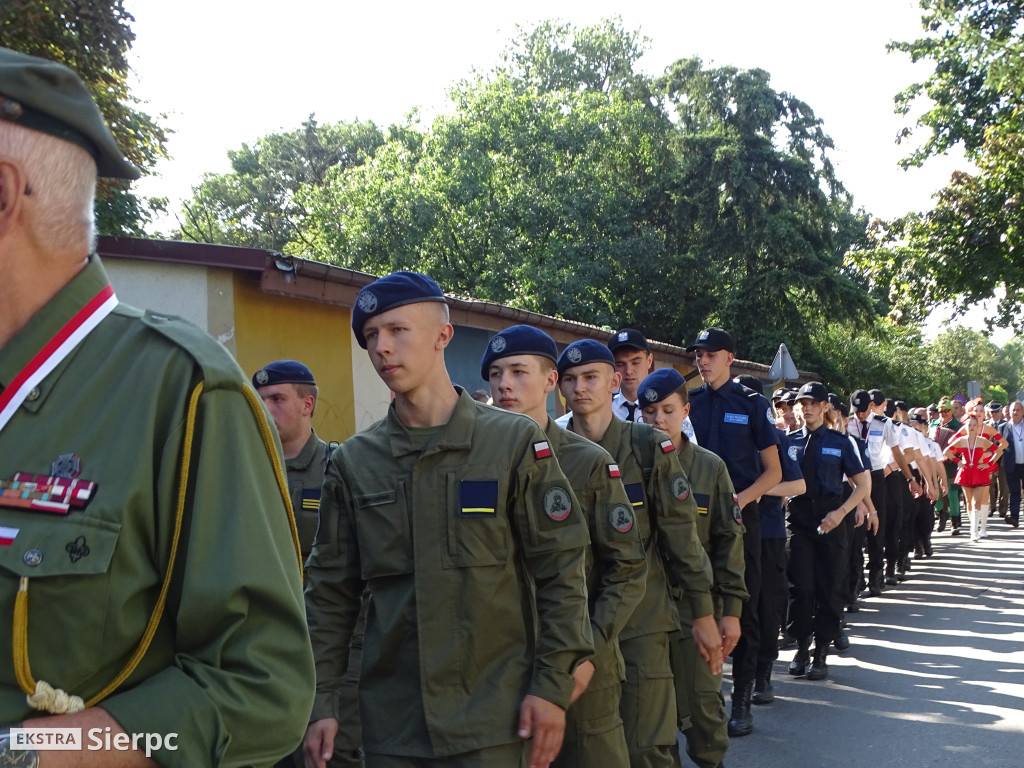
[61,178]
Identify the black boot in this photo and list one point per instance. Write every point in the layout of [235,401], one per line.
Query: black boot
[741,723]
[798,666]
[875,584]
[819,669]
[764,693]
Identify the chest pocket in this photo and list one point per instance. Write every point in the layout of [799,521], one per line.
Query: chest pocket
[384,532]
[71,593]
[476,523]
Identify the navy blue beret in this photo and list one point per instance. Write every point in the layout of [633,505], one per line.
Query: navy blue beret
[659,385]
[517,340]
[283,372]
[389,292]
[582,352]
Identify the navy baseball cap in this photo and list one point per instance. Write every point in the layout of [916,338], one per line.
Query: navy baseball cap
[788,397]
[658,385]
[750,382]
[861,400]
[877,396]
[283,372]
[813,390]
[712,340]
[517,340]
[902,406]
[582,352]
[836,402]
[390,292]
[628,338]
[778,393]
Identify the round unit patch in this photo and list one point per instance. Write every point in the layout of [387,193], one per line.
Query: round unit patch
[557,503]
[261,377]
[768,413]
[650,395]
[793,451]
[498,344]
[621,517]
[680,488]
[574,355]
[736,512]
[367,301]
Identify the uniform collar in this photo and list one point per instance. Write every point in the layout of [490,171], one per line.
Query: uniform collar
[457,434]
[41,327]
[685,454]
[306,455]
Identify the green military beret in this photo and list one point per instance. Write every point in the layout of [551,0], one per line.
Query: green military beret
[48,97]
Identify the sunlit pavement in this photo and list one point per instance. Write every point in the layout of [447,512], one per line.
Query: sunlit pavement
[934,675]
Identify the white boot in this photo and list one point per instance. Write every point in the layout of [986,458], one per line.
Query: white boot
[975,514]
[985,508]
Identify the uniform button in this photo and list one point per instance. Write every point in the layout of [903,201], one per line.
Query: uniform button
[32,558]
[33,395]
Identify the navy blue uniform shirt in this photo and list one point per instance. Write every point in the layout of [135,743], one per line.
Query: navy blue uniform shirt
[736,424]
[773,517]
[836,457]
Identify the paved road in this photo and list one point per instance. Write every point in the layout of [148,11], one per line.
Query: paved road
[934,676]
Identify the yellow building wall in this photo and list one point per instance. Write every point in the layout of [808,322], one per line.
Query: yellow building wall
[270,327]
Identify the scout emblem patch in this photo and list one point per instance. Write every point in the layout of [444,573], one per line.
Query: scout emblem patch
[680,488]
[621,518]
[667,447]
[46,493]
[737,515]
[541,450]
[613,470]
[7,535]
[77,549]
[557,503]
[478,498]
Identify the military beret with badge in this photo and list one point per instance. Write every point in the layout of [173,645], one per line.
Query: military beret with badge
[390,292]
[517,340]
[283,372]
[583,352]
[659,384]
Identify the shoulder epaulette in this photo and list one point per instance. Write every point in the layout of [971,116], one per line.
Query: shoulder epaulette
[218,366]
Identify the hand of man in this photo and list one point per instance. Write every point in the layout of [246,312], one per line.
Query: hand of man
[544,723]
[318,745]
[709,642]
[873,524]
[861,515]
[583,674]
[729,631]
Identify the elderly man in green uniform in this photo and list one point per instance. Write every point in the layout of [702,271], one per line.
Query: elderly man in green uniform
[519,365]
[144,508]
[457,518]
[665,400]
[666,515]
[289,390]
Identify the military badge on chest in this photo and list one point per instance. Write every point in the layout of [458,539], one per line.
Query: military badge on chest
[59,492]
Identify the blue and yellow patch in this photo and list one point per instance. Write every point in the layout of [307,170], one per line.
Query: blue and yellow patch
[311,499]
[635,493]
[703,500]
[478,498]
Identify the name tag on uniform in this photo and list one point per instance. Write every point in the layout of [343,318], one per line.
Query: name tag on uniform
[875,433]
[478,498]
[376,499]
[831,452]
[737,418]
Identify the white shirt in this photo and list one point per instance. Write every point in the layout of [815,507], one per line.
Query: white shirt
[881,437]
[1018,441]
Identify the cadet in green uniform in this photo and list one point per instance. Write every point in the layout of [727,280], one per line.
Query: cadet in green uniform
[519,365]
[144,518]
[289,390]
[458,519]
[665,401]
[667,518]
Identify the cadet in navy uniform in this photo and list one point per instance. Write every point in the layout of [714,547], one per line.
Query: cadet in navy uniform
[817,546]
[738,424]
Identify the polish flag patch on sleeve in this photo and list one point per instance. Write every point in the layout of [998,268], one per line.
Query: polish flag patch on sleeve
[613,470]
[667,447]
[541,450]
[7,535]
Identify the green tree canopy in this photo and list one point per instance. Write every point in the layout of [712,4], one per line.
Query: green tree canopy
[255,204]
[93,38]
